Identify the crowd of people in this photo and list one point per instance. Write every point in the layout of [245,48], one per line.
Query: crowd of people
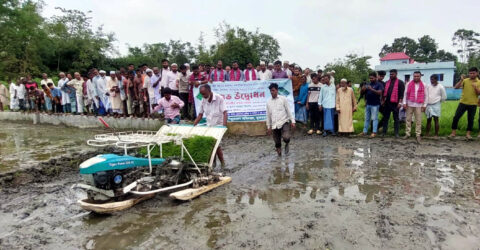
[168,92]
[331,107]
[133,91]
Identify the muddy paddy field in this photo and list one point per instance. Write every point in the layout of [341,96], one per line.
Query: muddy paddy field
[333,193]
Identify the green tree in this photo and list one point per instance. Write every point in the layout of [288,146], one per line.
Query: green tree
[425,49]
[354,68]
[467,43]
[238,44]
[76,46]
[22,34]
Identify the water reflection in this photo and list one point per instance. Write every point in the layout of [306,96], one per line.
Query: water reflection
[23,144]
[343,173]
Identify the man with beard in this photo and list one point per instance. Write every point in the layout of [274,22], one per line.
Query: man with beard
[172,79]
[236,74]
[264,74]
[250,73]
[392,98]
[219,74]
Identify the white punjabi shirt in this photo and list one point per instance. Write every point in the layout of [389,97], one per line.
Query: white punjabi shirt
[213,110]
[278,112]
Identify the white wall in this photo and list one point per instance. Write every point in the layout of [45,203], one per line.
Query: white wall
[426,73]
[392,62]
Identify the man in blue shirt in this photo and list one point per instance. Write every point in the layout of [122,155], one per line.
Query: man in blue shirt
[57,97]
[373,91]
[326,103]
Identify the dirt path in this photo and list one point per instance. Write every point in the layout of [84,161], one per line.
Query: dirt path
[335,193]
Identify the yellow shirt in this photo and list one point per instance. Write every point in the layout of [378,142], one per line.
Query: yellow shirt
[469,96]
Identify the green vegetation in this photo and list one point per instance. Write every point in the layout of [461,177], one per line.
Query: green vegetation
[199,147]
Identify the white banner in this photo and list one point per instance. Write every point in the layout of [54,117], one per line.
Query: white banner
[247,101]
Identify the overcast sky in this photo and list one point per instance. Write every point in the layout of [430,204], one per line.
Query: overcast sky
[310,32]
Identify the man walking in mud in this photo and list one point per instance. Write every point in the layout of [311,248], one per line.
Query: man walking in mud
[280,120]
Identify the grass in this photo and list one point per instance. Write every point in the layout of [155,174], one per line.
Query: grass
[199,147]
[448,111]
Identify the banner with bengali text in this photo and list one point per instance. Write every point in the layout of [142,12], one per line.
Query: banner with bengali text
[247,101]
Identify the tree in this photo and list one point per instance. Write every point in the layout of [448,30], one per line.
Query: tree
[425,49]
[76,47]
[21,36]
[238,44]
[402,44]
[354,68]
[467,42]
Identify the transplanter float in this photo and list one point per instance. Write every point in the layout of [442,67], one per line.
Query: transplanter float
[116,182]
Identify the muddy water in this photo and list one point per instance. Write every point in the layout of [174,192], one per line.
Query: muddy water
[334,193]
[23,145]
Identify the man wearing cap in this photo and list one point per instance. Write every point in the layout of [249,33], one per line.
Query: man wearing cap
[264,74]
[114,94]
[147,83]
[77,83]
[346,104]
[219,74]
[172,79]
[280,120]
[286,66]
[101,83]
[326,103]
[189,72]
[270,67]
[65,96]
[332,77]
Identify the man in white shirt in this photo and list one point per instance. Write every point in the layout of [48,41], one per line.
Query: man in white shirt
[286,66]
[264,74]
[214,109]
[101,83]
[147,84]
[172,79]
[414,102]
[45,80]
[77,83]
[332,77]
[435,95]
[280,120]
[155,80]
[13,96]
[164,74]
[65,96]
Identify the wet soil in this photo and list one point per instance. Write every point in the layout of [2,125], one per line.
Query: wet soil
[327,193]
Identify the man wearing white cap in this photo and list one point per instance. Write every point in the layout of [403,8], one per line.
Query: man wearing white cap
[189,72]
[172,79]
[101,83]
[286,66]
[65,97]
[147,84]
[270,67]
[264,74]
[332,77]
[114,94]
[77,83]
